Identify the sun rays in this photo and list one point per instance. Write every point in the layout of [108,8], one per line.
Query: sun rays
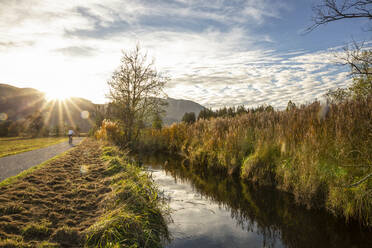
[67,114]
[58,113]
[58,94]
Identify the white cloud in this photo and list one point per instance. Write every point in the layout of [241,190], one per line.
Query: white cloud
[210,55]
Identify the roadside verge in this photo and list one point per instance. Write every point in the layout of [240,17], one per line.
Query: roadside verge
[90,196]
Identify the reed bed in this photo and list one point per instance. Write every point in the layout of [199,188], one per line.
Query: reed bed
[321,153]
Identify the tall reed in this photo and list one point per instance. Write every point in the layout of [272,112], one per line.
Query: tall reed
[317,152]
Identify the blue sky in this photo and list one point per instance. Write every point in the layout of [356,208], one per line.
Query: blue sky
[218,53]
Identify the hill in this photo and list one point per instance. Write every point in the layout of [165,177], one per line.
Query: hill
[18,103]
[176,108]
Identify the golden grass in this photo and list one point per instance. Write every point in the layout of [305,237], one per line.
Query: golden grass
[313,151]
[11,146]
[63,200]
[71,201]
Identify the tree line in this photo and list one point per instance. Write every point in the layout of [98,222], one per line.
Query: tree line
[33,126]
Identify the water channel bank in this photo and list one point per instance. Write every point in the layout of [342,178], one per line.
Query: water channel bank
[211,211]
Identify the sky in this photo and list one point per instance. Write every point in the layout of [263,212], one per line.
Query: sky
[217,53]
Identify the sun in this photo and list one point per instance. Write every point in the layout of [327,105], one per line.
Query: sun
[57,94]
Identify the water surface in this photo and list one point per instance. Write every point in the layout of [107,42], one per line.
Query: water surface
[211,211]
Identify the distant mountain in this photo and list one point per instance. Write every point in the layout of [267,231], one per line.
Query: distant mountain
[176,108]
[18,103]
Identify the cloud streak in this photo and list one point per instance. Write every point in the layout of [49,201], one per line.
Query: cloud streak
[210,49]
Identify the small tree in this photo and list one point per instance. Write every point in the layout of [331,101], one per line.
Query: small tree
[290,106]
[206,113]
[45,131]
[99,114]
[4,126]
[189,118]
[241,110]
[157,122]
[15,128]
[231,112]
[56,130]
[36,123]
[136,92]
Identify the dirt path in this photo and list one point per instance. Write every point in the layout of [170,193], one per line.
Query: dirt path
[56,202]
[13,165]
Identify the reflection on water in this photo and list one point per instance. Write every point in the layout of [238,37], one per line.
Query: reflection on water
[211,211]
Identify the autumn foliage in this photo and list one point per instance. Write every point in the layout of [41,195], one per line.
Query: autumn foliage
[318,152]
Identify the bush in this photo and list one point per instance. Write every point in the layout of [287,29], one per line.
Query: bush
[112,132]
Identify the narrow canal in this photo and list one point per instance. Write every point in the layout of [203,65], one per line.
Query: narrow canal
[211,211]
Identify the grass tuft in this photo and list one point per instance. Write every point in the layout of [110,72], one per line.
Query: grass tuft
[38,231]
[46,244]
[67,236]
[135,215]
[11,243]
[114,166]
[11,209]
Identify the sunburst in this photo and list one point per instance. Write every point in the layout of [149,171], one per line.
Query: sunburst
[57,94]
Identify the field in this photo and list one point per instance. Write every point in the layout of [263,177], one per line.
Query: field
[81,198]
[11,146]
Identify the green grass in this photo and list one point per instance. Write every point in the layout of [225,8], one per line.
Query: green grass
[11,146]
[135,214]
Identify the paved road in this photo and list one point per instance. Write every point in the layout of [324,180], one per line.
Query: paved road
[13,165]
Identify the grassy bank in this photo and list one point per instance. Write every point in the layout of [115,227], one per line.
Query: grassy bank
[89,197]
[11,146]
[320,154]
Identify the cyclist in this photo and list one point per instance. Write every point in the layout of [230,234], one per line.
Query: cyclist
[70,134]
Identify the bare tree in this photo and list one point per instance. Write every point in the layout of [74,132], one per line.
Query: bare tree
[334,10]
[136,91]
[358,58]
[356,55]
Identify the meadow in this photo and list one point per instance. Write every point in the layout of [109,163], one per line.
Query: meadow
[15,145]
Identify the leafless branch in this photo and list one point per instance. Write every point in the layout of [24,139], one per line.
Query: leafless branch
[334,10]
[360,181]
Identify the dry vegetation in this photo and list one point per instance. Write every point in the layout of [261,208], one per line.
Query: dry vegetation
[321,154]
[82,199]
